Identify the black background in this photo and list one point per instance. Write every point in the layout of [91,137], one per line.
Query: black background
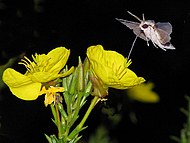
[79,24]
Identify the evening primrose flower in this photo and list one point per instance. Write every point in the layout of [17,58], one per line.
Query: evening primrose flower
[43,69]
[111,68]
[50,96]
[143,93]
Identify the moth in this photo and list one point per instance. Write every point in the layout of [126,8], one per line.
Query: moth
[148,30]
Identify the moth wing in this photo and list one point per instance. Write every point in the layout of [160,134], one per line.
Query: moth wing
[134,26]
[140,34]
[129,24]
[166,26]
[163,36]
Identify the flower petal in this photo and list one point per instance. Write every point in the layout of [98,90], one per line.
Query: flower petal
[143,93]
[58,59]
[27,92]
[129,79]
[66,73]
[111,68]
[15,79]
[21,85]
[47,76]
[43,76]
[49,98]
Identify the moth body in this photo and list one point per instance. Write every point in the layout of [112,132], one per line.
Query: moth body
[158,33]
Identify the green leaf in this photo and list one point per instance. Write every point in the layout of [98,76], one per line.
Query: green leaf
[48,138]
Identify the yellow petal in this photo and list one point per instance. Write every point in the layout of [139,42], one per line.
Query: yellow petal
[50,94]
[49,98]
[27,92]
[15,79]
[47,76]
[67,72]
[43,76]
[21,85]
[143,93]
[58,59]
[102,62]
[129,79]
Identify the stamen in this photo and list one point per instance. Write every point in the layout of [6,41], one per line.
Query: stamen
[34,58]
[122,73]
[46,65]
[27,63]
[27,59]
[128,63]
[24,62]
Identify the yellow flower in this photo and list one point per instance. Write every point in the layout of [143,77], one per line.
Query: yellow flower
[45,68]
[50,96]
[112,68]
[143,93]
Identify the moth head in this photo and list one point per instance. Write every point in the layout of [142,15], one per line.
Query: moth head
[146,24]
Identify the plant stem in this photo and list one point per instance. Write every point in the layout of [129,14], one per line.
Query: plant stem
[54,113]
[92,105]
[94,101]
[188,121]
[58,122]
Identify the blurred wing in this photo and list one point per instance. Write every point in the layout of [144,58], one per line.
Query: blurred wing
[129,24]
[163,37]
[165,26]
[134,26]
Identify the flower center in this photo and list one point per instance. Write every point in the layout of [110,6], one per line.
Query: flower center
[40,63]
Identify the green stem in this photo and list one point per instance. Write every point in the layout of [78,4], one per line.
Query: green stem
[56,116]
[92,105]
[74,118]
[58,122]
[80,125]
[54,113]
[188,121]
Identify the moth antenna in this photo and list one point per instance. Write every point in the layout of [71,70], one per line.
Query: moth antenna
[134,16]
[131,48]
[143,17]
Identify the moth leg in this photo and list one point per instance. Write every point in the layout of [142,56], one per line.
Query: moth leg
[155,45]
[147,41]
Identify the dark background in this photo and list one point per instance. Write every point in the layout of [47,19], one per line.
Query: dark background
[39,26]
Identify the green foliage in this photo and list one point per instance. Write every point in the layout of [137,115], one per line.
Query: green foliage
[185,132]
[77,89]
[100,136]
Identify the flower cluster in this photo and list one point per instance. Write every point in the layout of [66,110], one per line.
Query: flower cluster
[66,90]
[110,69]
